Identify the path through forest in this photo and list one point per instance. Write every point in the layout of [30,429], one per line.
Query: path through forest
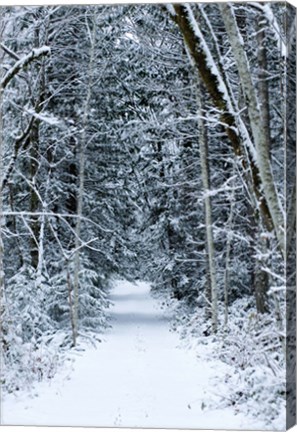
[138,376]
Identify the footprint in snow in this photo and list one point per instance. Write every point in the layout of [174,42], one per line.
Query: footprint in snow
[139,346]
[118,419]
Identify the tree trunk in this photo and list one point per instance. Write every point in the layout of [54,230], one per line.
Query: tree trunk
[34,200]
[263,90]
[82,157]
[35,164]
[261,279]
[257,125]
[221,99]
[228,252]
[203,144]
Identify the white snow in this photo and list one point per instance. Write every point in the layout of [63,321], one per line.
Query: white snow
[139,376]
[209,58]
[51,120]
[170,8]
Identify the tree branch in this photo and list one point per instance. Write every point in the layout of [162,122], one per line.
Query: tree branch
[22,63]
[220,97]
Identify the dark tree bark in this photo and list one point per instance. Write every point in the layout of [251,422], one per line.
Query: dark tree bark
[211,83]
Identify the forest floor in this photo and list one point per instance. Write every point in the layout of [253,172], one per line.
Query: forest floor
[138,376]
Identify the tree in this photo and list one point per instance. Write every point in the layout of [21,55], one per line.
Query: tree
[259,129]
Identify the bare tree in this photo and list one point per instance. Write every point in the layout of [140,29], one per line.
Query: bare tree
[259,129]
[203,145]
[82,156]
[218,91]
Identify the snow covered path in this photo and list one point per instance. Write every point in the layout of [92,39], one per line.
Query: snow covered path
[137,377]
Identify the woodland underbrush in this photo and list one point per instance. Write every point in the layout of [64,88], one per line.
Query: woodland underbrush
[36,332]
[249,357]
[29,362]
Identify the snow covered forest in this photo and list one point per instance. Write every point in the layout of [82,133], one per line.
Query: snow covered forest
[151,143]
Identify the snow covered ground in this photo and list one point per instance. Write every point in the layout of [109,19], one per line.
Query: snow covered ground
[138,376]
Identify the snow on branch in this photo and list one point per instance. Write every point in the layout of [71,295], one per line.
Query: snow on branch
[209,58]
[51,120]
[270,17]
[22,63]
[9,52]
[170,9]
[221,84]
[57,215]
[223,188]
